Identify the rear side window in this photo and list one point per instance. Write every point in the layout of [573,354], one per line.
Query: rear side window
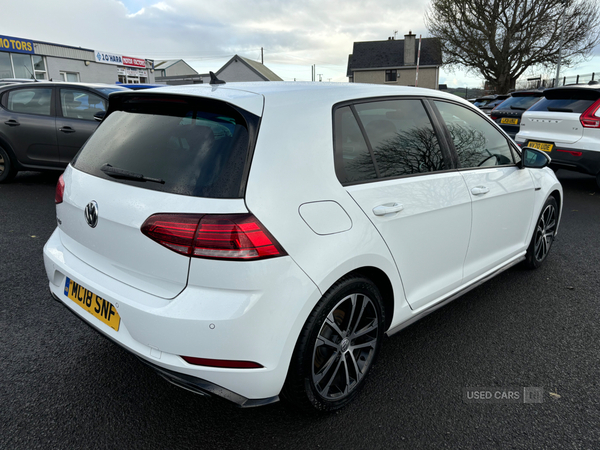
[30,101]
[195,148]
[567,100]
[385,139]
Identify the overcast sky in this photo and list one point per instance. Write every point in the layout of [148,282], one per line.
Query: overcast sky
[206,34]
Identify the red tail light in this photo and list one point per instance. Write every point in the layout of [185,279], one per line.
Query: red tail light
[60,190]
[231,236]
[589,119]
[494,117]
[222,363]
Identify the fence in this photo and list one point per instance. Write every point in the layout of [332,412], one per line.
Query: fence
[541,82]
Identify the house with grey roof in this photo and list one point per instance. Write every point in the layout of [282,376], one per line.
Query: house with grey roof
[239,68]
[176,72]
[394,61]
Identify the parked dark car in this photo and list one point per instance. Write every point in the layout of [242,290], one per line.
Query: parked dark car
[488,103]
[43,125]
[508,114]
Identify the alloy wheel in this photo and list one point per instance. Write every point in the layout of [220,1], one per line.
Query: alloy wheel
[544,234]
[345,346]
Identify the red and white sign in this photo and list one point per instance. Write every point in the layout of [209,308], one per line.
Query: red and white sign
[133,62]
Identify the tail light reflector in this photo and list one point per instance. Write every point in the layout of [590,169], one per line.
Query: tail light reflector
[60,190]
[217,236]
[572,152]
[589,119]
[222,363]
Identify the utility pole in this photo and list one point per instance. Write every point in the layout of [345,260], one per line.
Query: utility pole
[418,59]
[262,60]
[560,42]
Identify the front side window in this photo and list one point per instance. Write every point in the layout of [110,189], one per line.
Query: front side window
[391,75]
[30,101]
[80,104]
[477,142]
[402,137]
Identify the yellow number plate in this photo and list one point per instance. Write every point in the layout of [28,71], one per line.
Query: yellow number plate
[96,306]
[509,121]
[540,146]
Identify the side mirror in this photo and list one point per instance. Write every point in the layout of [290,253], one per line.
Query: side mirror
[99,116]
[534,158]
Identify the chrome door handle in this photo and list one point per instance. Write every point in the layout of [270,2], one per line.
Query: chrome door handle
[388,208]
[66,130]
[480,190]
[12,123]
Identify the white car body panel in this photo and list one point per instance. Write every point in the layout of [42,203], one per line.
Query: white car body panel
[429,236]
[501,217]
[558,127]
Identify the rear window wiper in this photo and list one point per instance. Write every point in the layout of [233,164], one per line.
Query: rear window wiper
[122,173]
[519,108]
[550,108]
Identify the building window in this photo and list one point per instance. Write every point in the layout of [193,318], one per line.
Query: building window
[5,66]
[391,75]
[71,77]
[39,67]
[17,65]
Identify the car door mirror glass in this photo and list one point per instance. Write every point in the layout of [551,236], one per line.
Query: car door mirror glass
[535,159]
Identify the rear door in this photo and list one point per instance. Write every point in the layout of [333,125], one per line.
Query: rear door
[502,194]
[75,119]
[27,122]
[391,161]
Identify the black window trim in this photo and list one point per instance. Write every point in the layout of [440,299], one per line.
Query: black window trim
[450,143]
[337,157]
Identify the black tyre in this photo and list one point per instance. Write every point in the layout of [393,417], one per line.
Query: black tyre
[543,235]
[337,347]
[7,168]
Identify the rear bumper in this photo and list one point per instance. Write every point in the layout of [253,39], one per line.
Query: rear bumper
[193,384]
[256,317]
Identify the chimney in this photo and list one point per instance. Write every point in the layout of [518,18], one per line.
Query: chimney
[409,49]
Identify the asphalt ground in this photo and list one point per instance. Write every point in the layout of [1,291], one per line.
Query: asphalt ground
[64,386]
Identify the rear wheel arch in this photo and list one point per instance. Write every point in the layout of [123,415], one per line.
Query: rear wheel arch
[383,283]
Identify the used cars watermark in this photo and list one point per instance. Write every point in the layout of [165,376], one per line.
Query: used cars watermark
[503,394]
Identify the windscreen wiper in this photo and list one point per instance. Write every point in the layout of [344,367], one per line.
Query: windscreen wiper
[122,173]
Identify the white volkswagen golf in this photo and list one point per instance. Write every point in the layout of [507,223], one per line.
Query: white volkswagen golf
[257,240]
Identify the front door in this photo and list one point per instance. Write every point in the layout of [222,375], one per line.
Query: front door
[501,192]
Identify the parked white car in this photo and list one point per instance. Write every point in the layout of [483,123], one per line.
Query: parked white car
[566,125]
[252,240]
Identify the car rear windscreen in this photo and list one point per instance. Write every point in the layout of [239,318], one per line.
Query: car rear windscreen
[196,148]
[521,103]
[567,100]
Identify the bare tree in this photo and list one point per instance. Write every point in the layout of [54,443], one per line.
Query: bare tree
[502,38]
